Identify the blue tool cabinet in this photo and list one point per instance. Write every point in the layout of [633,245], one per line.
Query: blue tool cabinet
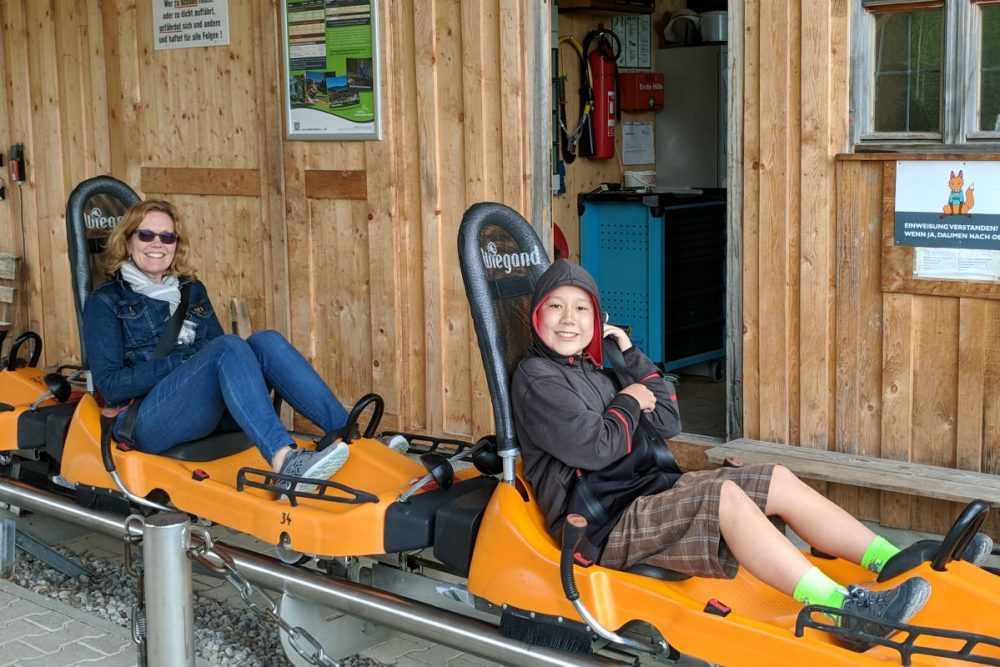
[660,261]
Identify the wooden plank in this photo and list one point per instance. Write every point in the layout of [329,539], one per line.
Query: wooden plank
[393,227]
[124,85]
[935,383]
[201,181]
[330,184]
[991,389]
[751,214]
[817,311]
[456,332]
[858,312]
[273,302]
[47,290]
[774,247]
[866,471]
[973,340]
[16,123]
[897,398]
[430,133]
[484,166]
[735,252]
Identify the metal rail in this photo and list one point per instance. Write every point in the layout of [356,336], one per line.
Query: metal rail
[413,618]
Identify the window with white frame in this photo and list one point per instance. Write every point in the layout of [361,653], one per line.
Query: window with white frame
[925,75]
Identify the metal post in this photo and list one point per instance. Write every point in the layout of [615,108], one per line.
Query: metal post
[8,555]
[169,606]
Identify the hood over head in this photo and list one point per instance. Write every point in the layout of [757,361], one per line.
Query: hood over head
[563,272]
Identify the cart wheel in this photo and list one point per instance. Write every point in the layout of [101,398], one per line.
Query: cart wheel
[718,369]
[286,554]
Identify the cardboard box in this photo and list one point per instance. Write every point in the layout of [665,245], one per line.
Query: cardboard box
[641,91]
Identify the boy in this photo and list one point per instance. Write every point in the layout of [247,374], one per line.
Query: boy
[571,417]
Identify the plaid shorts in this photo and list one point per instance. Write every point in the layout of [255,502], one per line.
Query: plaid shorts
[679,529]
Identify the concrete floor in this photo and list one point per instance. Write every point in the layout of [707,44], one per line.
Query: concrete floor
[702,401]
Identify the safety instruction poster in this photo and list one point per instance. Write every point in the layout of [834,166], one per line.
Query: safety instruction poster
[949,211]
[186,24]
[635,33]
[332,69]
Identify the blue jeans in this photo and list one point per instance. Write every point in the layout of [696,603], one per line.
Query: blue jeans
[225,386]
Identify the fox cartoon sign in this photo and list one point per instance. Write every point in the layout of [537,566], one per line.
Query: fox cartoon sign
[948,204]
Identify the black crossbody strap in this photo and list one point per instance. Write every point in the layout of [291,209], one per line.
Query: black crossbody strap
[663,456]
[169,337]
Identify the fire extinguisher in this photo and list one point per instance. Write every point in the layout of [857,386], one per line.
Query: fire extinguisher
[601,48]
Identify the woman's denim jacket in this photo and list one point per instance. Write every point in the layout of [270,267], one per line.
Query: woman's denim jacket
[121,329]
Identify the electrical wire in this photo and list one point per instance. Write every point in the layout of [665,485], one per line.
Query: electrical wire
[571,138]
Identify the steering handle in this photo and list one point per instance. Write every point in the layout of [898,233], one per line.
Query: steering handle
[960,534]
[15,347]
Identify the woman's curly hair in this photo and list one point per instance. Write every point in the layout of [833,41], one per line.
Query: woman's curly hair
[116,252]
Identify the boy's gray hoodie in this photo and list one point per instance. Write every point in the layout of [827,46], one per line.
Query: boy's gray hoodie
[567,410]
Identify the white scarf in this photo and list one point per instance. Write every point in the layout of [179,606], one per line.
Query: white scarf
[166,290]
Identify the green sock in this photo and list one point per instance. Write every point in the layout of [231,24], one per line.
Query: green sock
[816,588]
[878,554]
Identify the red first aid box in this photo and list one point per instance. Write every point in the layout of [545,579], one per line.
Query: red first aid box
[641,91]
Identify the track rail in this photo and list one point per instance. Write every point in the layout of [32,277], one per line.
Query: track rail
[414,618]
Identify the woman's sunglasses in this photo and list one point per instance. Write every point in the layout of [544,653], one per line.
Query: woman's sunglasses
[147,236]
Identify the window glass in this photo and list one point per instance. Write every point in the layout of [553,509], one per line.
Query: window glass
[908,55]
[989,89]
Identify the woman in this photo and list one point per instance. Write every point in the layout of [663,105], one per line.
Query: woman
[208,381]
[571,418]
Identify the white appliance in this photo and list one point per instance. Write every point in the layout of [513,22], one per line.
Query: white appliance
[690,136]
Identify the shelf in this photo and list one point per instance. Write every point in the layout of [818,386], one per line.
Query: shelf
[612,6]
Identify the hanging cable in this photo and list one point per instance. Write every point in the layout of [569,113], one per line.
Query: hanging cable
[570,139]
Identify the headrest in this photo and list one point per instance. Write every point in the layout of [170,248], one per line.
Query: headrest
[95,206]
[501,258]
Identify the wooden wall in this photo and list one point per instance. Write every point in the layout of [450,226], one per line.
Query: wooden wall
[830,359]
[347,247]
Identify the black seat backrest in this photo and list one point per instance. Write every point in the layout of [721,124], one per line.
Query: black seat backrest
[95,206]
[501,258]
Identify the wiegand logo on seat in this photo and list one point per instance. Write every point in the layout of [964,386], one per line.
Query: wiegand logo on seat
[96,219]
[508,261]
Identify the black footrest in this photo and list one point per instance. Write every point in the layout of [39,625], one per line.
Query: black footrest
[269,480]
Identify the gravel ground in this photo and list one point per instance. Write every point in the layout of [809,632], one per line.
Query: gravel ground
[224,635]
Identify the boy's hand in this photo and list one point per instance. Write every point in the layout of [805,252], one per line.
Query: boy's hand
[642,394]
[619,336]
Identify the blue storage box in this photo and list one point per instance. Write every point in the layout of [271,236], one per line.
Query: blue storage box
[659,261]
[621,245]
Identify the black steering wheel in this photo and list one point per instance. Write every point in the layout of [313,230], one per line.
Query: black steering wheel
[15,348]
[960,534]
[346,432]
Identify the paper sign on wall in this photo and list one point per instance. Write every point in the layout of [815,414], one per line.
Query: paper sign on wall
[186,24]
[950,212]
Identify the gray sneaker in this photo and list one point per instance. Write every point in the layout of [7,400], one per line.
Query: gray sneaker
[397,443]
[897,605]
[313,465]
[979,549]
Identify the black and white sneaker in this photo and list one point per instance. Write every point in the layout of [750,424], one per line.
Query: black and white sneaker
[896,605]
[313,465]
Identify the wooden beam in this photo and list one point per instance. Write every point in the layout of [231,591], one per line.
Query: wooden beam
[331,184]
[194,181]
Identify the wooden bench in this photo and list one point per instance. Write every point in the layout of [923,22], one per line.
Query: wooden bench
[866,471]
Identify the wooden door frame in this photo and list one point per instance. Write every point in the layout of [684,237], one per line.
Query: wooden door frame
[734,226]
[541,195]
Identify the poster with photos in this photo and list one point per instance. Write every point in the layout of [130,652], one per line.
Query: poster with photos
[331,67]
